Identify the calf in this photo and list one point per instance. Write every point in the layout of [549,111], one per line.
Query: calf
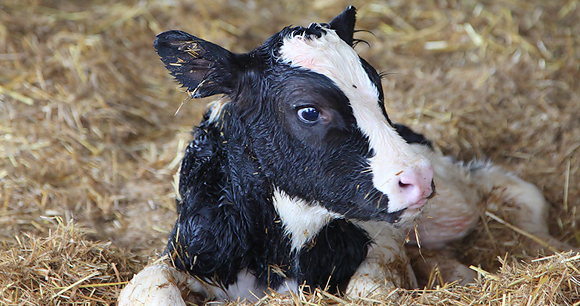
[292,173]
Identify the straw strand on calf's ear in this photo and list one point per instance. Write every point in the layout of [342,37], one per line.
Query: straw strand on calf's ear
[202,67]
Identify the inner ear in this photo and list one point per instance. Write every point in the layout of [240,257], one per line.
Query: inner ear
[343,24]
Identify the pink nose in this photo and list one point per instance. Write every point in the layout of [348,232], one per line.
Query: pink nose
[415,186]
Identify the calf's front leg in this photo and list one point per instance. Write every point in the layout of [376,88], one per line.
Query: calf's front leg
[386,267]
[161,284]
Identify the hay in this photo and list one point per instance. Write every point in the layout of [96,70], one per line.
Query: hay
[88,130]
[63,268]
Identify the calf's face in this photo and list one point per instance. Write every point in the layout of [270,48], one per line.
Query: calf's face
[314,119]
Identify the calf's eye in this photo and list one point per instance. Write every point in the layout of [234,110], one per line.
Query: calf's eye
[308,114]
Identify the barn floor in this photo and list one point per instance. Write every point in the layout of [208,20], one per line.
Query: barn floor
[92,131]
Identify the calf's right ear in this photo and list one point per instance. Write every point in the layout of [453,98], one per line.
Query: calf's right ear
[202,67]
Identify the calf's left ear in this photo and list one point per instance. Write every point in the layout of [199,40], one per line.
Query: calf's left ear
[204,68]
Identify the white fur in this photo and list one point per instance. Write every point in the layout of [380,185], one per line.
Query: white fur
[329,55]
[159,284]
[464,193]
[163,285]
[456,209]
[289,285]
[243,288]
[527,199]
[386,266]
[301,220]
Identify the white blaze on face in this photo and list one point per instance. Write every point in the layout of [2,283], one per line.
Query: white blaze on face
[330,56]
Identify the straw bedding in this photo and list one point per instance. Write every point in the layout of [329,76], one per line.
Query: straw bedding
[92,132]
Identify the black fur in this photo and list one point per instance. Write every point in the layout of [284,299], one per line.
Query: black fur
[412,137]
[216,239]
[337,251]
[227,222]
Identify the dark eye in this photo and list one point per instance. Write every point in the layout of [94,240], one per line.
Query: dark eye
[308,114]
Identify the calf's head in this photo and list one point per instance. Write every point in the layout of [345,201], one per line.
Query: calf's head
[313,118]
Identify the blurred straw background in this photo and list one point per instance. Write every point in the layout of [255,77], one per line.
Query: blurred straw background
[90,136]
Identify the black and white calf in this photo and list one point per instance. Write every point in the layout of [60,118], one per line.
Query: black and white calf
[292,177]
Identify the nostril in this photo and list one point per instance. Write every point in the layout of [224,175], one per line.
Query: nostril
[409,180]
[403,185]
